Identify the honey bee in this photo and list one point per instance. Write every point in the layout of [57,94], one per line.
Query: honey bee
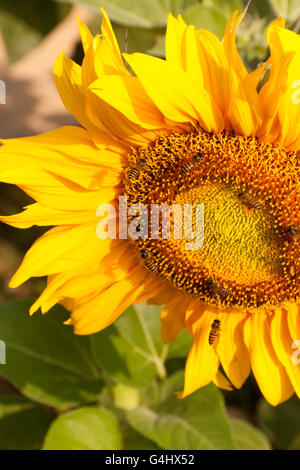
[214,332]
[144,253]
[291,233]
[217,290]
[148,262]
[188,166]
[198,157]
[291,272]
[150,265]
[133,173]
[249,201]
[141,162]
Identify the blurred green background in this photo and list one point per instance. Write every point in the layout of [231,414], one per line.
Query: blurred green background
[115,389]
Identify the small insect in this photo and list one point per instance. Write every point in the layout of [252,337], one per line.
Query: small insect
[217,290]
[198,157]
[150,265]
[141,162]
[187,167]
[291,233]
[144,254]
[214,332]
[133,173]
[148,262]
[249,201]
[291,272]
[190,165]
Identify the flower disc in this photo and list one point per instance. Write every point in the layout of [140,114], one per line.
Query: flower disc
[250,194]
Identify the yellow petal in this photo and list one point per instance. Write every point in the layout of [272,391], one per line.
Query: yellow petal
[256,75]
[99,111]
[273,92]
[173,317]
[86,35]
[127,95]
[61,163]
[201,55]
[102,310]
[59,249]
[71,142]
[244,110]
[109,35]
[282,343]
[231,348]
[270,375]
[247,332]
[221,381]
[58,169]
[58,193]
[175,93]
[216,78]
[68,79]
[202,362]
[83,177]
[103,59]
[175,50]
[284,43]
[82,282]
[35,214]
[294,320]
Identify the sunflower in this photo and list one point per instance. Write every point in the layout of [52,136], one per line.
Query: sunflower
[193,129]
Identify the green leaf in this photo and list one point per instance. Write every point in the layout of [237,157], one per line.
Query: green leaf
[124,397]
[281,423]
[131,351]
[134,13]
[289,9]
[44,359]
[87,428]
[181,345]
[28,21]
[177,7]
[247,437]
[212,14]
[139,13]
[158,49]
[196,422]
[138,40]
[227,8]
[135,441]
[23,424]
[206,17]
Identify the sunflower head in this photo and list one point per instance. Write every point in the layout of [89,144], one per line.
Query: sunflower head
[194,135]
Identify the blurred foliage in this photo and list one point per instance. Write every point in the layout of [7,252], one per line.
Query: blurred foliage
[61,376]
[118,381]
[87,428]
[122,381]
[281,424]
[22,423]
[247,437]
[24,24]
[146,21]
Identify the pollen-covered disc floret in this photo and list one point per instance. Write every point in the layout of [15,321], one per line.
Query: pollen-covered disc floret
[251,197]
